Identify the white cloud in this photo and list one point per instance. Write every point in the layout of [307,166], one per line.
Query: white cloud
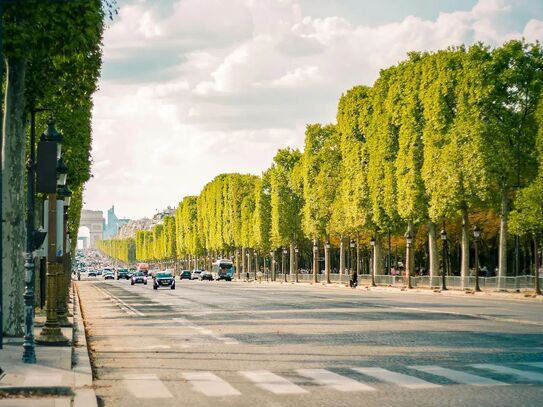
[230,82]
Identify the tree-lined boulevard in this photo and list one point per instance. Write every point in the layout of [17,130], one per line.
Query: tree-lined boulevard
[425,195]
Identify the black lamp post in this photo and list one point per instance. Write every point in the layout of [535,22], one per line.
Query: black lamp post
[476,235]
[255,254]
[315,260]
[237,263]
[296,250]
[34,239]
[372,265]
[351,256]
[327,246]
[444,256]
[65,195]
[283,269]
[408,265]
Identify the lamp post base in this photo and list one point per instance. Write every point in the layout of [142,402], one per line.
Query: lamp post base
[51,336]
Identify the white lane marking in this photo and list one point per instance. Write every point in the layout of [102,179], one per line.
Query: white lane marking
[158,347]
[400,379]
[534,376]
[459,377]
[42,379]
[206,332]
[272,382]
[209,384]
[535,364]
[146,386]
[123,305]
[333,380]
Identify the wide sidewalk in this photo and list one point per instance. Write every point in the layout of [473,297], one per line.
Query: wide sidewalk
[61,377]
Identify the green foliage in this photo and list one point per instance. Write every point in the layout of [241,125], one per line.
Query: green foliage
[320,169]
[120,249]
[285,199]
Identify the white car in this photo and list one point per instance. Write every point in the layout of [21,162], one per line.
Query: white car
[195,275]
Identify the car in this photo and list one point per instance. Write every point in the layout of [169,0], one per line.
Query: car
[185,275]
[91,273]
[164,279]
[122,273]
[205,275]
[195,274]
[108,275]
[138,278]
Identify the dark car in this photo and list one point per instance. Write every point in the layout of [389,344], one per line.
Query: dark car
[123,273]
[185,275]
[164,279]
[206,275]
[138,277]
[91,273]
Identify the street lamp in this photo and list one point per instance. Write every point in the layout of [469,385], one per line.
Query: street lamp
[408,265]
[51,334]
[476,235]
[283,269]
[352,246]
[444,255]
[372,244]
[296,250]
[65,195]
[327,246]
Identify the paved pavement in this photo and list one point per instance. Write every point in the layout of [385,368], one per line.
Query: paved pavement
[246,344]
[61,376]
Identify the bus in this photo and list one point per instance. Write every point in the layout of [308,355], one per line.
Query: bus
[223,269]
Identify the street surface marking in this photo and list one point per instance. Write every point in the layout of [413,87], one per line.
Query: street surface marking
[535,364]
[41,379]
[459,377]
[536,377]
[400,379]
[123,305]
[333,380]
[207,332]
[272,382]
[146,386]
[209,384]
[158,347]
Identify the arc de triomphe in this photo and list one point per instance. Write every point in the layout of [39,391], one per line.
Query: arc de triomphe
[94,220]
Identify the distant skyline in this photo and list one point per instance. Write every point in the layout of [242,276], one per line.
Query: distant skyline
[187,94]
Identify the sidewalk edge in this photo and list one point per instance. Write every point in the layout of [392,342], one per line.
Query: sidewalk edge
[85,395]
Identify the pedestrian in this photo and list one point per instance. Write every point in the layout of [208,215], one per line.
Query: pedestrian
[247,277]
[353,282]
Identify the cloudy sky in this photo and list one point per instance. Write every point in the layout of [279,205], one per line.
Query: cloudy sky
[194,88]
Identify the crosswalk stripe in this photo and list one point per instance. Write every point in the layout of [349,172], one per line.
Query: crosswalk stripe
[459,377]
[272,382]
[333,380]
[146,386]
[400,379]
[209,384]
[534,376]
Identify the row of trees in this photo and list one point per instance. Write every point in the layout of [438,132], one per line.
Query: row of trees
[442,138]
[52,54]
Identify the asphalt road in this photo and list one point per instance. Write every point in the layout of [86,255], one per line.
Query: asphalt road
[246,344]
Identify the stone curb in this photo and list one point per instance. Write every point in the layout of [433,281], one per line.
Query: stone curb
[84,392]
[523,296]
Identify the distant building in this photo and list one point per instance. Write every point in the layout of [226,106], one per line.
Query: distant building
[113,224]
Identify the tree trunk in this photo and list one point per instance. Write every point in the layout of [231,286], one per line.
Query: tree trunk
[13,172]
[464,260]
[502,249]
[410,255]
[433,254]
[341,256]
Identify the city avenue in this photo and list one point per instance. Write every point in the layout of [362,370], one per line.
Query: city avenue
[250,344]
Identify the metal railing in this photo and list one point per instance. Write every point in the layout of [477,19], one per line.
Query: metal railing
[452,282]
